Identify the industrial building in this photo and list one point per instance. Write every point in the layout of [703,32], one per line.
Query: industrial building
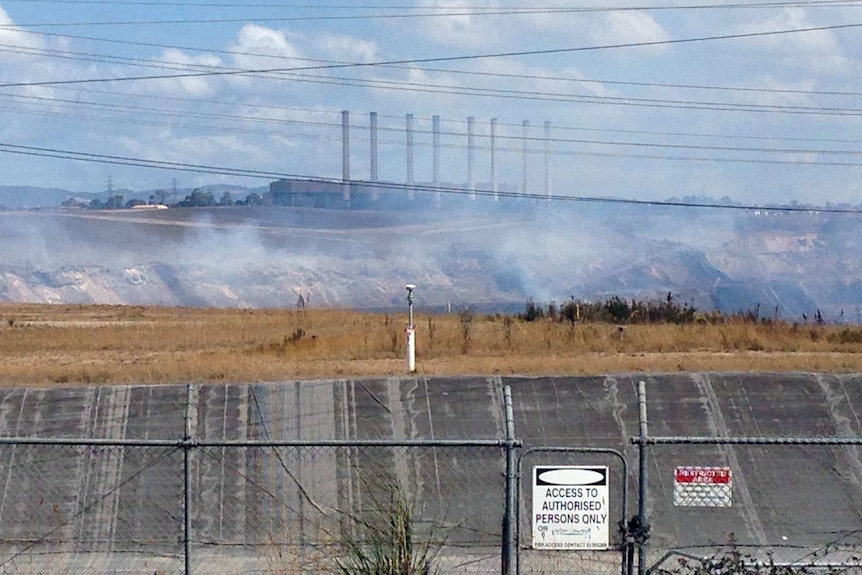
[408,195]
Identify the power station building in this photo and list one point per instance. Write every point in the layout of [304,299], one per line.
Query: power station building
[348,193]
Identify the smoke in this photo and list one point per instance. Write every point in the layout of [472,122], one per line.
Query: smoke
[480,254]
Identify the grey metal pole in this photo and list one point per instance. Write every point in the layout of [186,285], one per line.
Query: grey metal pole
[642,476]
[187,481]
[510,543]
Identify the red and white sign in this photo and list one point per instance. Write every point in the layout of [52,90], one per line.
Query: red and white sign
[702,475]
[695,486]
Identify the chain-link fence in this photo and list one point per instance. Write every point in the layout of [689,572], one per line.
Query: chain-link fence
[90,509]
[768,502]
[570,531]
[162,506]
[305,509]
[252,508]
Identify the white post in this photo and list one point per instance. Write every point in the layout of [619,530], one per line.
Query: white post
[411,332]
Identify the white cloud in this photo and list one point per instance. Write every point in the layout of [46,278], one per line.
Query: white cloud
[772,92]
[634,27]
[14,36]
[817,51]
[462,29]
[180,63]
[542,28]
[260,47]
[346,48]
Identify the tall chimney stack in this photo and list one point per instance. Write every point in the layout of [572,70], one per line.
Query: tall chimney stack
[548,159]
[373,176]
[345,155]
[524,151]
[345,146]
[494,185]
[435,146]
[373,127]
[471,152]
[409,130]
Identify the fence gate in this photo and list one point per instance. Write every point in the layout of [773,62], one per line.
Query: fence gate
[571,511]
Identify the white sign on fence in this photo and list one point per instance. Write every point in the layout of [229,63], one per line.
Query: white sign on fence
[570,507]
[702,486]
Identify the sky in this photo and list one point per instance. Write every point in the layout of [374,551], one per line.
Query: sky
[759,101]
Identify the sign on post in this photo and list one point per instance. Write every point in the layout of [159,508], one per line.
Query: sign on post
[702,486]
[570,507]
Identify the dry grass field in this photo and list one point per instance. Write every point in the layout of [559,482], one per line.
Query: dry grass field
[43,345]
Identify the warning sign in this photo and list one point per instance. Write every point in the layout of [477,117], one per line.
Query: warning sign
[570,507]
[702,486]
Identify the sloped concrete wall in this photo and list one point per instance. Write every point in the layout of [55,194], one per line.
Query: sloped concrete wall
[103,502]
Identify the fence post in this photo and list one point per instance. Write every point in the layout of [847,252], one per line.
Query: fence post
[187,482]
[643,526]
[509,543]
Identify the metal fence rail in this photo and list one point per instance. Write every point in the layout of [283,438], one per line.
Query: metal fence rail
[704,498]
[250,506]
[245,505]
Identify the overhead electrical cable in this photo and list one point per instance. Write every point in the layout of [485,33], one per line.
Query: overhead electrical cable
[460,6]
[338,111]
[338,125]
[432,12]
[544,77]
[222,170]
[150,112]
[581,99]
[425,87]
[461,58]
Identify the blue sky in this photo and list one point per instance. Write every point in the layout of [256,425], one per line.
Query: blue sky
[761,119]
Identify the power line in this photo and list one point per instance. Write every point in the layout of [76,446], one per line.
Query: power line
[478,122]
[261,174]
[334,125]
[438,12]
[462,58]
[545,77]
[737,5]
[533,95]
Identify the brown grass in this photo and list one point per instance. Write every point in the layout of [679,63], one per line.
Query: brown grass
[61,344]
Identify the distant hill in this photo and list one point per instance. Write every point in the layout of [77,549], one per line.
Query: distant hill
[27,197]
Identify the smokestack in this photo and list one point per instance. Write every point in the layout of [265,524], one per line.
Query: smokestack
[345,155]
[373,121]
[494,158]
[525,136]
[375,193]
[548,160]
[345,146]
[471,152]
[410,150]
[435,131]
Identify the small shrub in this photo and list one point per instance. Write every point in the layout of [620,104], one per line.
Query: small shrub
[732,560]
[846,335]
[431,332]
[388,544]
[507,330]
[465,316]
[532,312]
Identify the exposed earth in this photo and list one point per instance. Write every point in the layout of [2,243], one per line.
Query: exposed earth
[785,264]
